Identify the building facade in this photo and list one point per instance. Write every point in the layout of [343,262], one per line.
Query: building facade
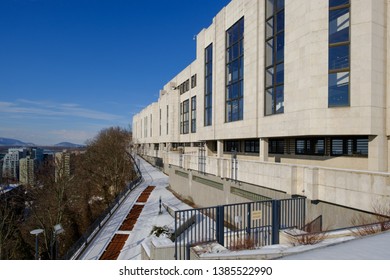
[63,165]
[11,163]
[284,84]
[27,169]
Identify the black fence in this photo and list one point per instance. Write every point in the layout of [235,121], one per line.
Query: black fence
[77,248]
[237,226]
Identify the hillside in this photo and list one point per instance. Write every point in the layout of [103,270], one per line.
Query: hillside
[68,145]
[13,142]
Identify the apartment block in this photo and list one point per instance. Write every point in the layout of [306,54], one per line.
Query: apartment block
[11,163]
[63,165]
[27,169]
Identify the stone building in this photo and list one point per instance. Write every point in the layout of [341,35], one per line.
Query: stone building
[284,95]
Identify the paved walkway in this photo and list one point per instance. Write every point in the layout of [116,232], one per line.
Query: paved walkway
[149,217]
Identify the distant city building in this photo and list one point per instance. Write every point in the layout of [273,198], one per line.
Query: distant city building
[27,168]
[36,153]
[63,164]
[11,163]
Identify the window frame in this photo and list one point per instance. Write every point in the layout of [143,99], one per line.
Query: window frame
[232,144]
[254,146]
[208,85]
[345,146]
[184,116]
[310,146]
[275,147]
[193,81]
[234,105]
[336,71]
[272,83]
[193,114]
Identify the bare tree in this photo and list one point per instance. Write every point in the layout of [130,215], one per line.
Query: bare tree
[379,221]
[6,222]
[11,213]
[71,195]
[49,204]
[106,164]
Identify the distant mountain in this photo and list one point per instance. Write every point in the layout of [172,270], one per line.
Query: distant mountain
[68,145]
[13,142]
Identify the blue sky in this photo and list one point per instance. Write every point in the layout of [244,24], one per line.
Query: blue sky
[69,68]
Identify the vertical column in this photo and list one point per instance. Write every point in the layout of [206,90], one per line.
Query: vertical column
[388,86]
[377,153]
[388,152]
[219,148]
[263,149]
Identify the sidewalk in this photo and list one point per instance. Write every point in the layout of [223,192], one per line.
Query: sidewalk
[148,218]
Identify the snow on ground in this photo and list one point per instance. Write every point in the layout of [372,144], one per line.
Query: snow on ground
[375,247]
[149,216]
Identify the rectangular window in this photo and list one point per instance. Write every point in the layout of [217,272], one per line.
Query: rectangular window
[231,146]
[167,119]
[208,91]
[187,85]
[339,53]
[312,146]
[274,57]
[141,128]
[252,146]
[184,113]
[146,127]
[349,146]
[193,81]
[276,146]
[184,87]
[151,125]
[235,72]
[193,114]
[160,123]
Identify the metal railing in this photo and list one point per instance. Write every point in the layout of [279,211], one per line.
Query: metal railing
[80,245]
[237,226]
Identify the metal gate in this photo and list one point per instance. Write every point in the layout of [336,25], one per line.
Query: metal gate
[237,226]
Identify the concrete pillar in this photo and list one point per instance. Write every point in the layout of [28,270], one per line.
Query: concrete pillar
[388,152]
[219,148]
[263,149]
[209,151]
[377,153]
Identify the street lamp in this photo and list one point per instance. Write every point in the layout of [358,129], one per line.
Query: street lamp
[36,232]
[58,229]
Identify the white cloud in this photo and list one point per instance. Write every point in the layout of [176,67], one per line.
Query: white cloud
[46,123]
[43,108]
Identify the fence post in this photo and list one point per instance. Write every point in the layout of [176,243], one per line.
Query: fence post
[219,225]
[275,221]
[188,251]
[248,219]
[175,233]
